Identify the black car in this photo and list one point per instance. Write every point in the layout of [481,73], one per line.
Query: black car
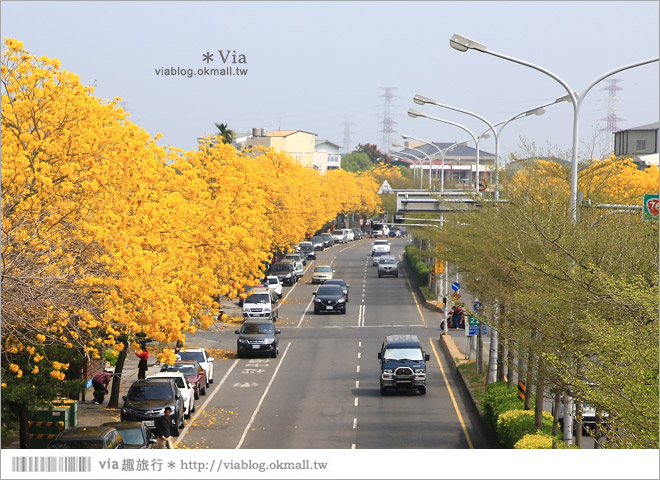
[338,281]
[88,437]
[358,235]
[318,242]
[146,401]
[285,272]
[329,298]
[257,336]
[328,241]
[307,249]
[135,434]
[402,364]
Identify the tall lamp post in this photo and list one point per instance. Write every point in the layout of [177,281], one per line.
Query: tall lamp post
[441,152]
[423,153]
[414,159]
[463,44]
[416,113]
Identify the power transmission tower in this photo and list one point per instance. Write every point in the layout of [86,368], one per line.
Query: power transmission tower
[388,122]
[611,118]
[347,135]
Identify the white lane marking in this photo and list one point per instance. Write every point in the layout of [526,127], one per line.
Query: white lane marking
[357,383]
[353,446]
[365,326]
[358,369]
[208,399]
[355,423]
[305,312]
[359,354]
[360,344]
[256,410]
[356,402]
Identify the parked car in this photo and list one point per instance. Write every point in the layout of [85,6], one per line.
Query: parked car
[200,355]
[377,256]
[261,304]
[357,233]
[274,284]
[285,271]
[298,268]
[135,434]
[339,236]
[194,373]
[329,298]
[322,273]
[186,389]
[88,438]
[380,246]
[146,401]
[318,242]
[307,249]
[350,236]
[246,291]
[402,364]
[338,281]
[257,336]
[388,265]
[328,241]
[297,257]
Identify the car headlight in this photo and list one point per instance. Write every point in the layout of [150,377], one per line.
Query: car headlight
[387,374]
[341,300]
[288,275]
[268,341]
[242,340]
[317,300]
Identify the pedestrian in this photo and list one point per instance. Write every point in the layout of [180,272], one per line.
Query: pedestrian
[177,353]
[143,355]
[100,384]
[164,430]
[457,317]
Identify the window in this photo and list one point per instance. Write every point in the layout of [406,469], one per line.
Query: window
[640,145]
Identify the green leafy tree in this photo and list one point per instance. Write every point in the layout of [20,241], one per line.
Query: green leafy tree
[356,162]
[225,134]
[375,155]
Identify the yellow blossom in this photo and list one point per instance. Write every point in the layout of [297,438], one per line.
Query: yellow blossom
[13,367]
[41,338]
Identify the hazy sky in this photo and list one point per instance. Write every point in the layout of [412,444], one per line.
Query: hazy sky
[314,65]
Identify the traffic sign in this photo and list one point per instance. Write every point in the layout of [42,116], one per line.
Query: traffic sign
[651,207]
[482,185]
[473,330]
[472,320]
[478,306]
[455,295]
[456,286]
[484,330]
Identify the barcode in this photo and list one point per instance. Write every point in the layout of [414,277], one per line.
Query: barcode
[51,464]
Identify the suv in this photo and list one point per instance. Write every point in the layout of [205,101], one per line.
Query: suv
[261,303]
[402,364]
[285,272]
[300,257]
[388,265]
[380,246]
[146,400]
[88,437]
[307,249]
[257,336]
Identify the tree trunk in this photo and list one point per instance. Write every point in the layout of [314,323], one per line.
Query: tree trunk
[493,358]
[23,414]
[113,402]
[510,368]
[578,424]
[538,402]
[528,381]
[501,352]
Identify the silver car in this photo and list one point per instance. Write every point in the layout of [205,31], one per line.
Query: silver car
[388,265]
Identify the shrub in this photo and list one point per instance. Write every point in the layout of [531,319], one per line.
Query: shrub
[111,357]
[539,440]
[498,399]
[515,424]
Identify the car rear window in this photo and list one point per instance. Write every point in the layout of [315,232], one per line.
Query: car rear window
[197,356]
[185,369]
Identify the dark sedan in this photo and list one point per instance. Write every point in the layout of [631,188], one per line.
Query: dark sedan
[134,434]
[193,372]
[146,400]
[329,298]
[87,437]
[257,336]
[338,281]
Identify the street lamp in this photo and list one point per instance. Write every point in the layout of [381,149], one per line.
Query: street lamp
[415,113]
[442,153]
[414,159]
[463,44]
[423,153]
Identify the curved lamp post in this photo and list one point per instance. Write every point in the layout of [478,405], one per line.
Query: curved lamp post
[415,159]
[441,152]
[423,153]
[415,113]
[463,44]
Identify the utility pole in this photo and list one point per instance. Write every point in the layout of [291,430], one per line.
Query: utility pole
[388,122]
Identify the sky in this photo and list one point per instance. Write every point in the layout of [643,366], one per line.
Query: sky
[322,67]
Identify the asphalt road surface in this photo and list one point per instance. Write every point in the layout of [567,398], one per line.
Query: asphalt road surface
[322,391]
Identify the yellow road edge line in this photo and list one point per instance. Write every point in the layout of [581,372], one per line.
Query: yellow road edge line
[451,394]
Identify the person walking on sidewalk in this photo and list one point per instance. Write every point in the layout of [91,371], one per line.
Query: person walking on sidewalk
[164,430]
[100,384]
[143,355]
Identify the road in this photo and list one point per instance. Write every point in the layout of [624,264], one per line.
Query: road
[322,391]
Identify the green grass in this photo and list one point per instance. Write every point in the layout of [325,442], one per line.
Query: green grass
[476,381]
[428,293]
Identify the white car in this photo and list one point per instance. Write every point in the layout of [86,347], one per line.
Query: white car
[200,355]
[274,284]
[380,246]
[339,236]
[322,273]
[184,386]
[350,236]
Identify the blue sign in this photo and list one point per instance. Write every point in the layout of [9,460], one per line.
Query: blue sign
[477,305]
[484,330]
[456,286]
[474,330]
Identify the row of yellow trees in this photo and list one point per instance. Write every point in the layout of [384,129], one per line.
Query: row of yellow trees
[106,235]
